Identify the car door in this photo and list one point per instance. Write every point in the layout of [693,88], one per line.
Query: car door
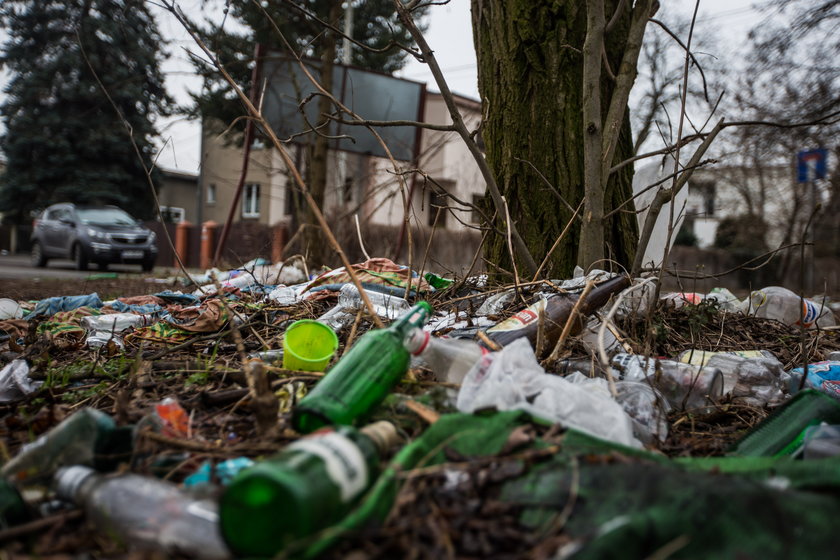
[49,231]
[60,233]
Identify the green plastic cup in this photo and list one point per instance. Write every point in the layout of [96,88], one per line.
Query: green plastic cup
[308,346]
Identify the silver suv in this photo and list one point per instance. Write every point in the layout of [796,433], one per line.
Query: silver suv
[100,234]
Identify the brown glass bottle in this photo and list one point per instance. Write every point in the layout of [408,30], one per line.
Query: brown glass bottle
[557,310]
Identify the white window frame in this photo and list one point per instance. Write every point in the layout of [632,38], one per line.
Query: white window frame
[251,200]
[177,214]
[211,193]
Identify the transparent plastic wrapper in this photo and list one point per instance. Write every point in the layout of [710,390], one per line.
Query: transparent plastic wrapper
[285,295]
[726,300]
[15,382]
[512,379]
[73,441]
[821,441]
[108,327]
[589,338]
[680,299]
[145,512]
[637,300]
[496,303]
[783,305]
[753,377]
[579,280]
[646,407]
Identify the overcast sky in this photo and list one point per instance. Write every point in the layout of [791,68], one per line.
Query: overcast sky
[450,36]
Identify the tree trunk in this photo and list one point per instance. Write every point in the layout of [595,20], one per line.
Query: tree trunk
[530,76]
[317,249]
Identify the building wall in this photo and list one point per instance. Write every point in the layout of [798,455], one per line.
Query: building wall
[448,166]
[726,191]
[358,184]
[221,168]
[178,190]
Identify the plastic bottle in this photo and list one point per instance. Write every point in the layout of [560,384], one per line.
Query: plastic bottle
[781,304]
[362,378]
[341,316]
[449,358]
[684,386]
[752,376]
[557,309]
[386,306]
[146,512]
[309,485]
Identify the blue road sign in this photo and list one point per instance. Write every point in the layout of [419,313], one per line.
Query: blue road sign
[811,164]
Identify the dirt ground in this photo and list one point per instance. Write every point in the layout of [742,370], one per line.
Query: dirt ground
[107,288]
[205,373]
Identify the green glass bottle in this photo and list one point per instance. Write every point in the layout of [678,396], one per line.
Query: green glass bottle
[362,378]
[312,483]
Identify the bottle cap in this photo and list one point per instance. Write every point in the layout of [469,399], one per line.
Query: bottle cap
[383,434]
[68,480]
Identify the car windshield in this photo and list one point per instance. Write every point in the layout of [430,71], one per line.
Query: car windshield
[105,217]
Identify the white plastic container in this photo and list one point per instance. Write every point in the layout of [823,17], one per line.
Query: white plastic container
[781,304]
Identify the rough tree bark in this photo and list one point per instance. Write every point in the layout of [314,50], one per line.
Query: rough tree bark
[317,248]
[530,77]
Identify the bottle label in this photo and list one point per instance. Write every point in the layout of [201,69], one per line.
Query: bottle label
[810,312]
[521,319]
[343,460]
[702,357]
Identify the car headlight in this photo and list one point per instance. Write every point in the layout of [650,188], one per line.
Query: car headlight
[152,237]
[96,234]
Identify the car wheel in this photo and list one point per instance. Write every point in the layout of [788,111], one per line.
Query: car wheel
[37,257]
[80,257]
[148,266]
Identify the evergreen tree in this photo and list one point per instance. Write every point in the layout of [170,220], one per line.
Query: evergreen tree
[64,140]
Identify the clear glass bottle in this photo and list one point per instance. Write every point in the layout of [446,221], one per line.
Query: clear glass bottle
[145,512]
[75,440]
[449,358]
[684,386]
[274,505]
[362,378]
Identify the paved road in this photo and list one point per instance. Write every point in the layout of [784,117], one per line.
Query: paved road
[17,266]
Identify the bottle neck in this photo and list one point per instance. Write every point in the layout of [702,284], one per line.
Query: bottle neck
[601,293]
[383,434]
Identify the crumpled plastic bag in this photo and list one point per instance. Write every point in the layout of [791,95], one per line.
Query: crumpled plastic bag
[15,382]
[512,379]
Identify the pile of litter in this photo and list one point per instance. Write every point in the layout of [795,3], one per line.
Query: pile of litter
[379,413]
